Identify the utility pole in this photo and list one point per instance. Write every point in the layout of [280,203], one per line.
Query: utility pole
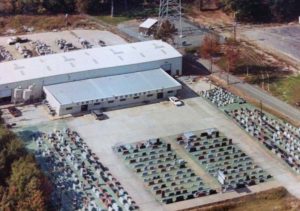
[180,20]
[261,109]
[234,27]
[200,5]
[228,79]
[234,31]
[112,9]
[211,65]
[263,80]
[211,62]
[268,78]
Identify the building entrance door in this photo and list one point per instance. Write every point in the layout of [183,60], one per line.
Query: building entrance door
[84,107]
[167,67]
[160,95]
[5,100]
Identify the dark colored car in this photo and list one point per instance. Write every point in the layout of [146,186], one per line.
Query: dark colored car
[14,111]
[99,115]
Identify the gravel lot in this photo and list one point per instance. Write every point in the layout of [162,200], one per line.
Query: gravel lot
[284,40]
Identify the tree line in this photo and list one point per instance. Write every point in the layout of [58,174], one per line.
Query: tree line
[22,184]
[259,11]
[68,6]
[245,10]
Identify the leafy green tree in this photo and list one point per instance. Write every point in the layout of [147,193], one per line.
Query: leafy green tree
[263,11]
[10,150]
[22,184]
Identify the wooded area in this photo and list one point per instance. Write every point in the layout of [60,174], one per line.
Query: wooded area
[22,184]
[259,11]
[245,10]
[68,6]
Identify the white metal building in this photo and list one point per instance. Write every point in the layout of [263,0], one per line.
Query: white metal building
[147,26]
[22,80]
[111,91]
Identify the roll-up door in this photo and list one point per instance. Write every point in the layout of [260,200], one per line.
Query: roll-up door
[5,93]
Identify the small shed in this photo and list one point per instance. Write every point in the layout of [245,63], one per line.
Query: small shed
[146,28]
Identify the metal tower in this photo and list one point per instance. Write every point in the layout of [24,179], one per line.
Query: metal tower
[171,10]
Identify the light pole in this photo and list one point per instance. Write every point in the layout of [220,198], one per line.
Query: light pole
[261,109]
[234,27]
[211,65]
[268,77]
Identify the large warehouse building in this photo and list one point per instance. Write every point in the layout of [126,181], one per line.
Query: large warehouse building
[28,79]
[111,91]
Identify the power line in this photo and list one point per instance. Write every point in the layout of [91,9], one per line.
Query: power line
[171,10]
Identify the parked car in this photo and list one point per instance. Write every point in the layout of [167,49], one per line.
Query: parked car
[99,115]
[14,40]
[14,111]
[176,101]
[101,43]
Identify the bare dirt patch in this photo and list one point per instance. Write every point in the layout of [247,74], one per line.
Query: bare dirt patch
[213,18]
[275,199]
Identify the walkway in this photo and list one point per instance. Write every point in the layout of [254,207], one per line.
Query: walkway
[207,179]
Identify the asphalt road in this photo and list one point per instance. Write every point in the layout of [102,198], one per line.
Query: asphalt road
[255,92]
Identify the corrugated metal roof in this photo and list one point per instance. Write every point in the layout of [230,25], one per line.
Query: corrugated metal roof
[147,24]
[85,60]
[112,86]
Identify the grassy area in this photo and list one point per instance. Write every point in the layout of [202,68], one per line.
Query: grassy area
[254,68]
[275,199]
[41,23]
[113,20]
[288,89]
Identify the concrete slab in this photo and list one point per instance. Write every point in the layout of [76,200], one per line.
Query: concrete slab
[158,120]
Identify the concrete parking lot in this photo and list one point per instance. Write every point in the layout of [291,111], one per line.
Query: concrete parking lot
[162,119]
[49,38]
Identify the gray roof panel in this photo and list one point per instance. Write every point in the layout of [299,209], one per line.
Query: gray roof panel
[112,86]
